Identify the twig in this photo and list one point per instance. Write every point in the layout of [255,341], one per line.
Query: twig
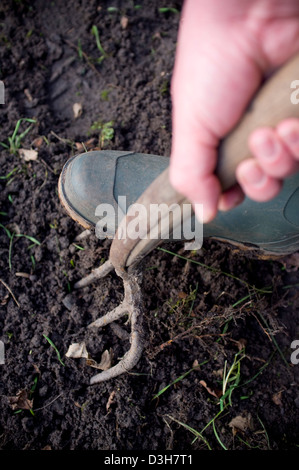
[48,404]
[46,164]
[184,335]
[10,291]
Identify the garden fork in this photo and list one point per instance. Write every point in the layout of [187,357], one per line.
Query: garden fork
[275,101]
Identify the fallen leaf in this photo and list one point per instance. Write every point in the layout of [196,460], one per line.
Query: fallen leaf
[182,295]
[4,300]
[20,401]
[106,361]
[276,398]
[241,423]
[28,154]
[291,262]
[218,373]
[79,146]
[241,343]
[13,227]
[124,21]
[77,110]
[88,145]
[214,393]
[38,142]
[77,350]
[157,35]
[195,365]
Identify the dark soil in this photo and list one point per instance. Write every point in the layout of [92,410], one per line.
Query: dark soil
[193,314]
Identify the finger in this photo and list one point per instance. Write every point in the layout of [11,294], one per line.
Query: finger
[187,177]
[273,156]
[288,131]
[256,184]
[231,198]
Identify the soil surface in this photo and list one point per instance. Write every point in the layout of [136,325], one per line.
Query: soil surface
[206,313]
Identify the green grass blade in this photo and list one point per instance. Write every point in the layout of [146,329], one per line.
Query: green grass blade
[6,230]
[55,348]
[32,239]
[217,271]
[217,436]
[95,32]
[181,377]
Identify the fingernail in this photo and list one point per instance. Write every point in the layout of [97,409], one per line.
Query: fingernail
[266,147]
[253,176]
[291,137]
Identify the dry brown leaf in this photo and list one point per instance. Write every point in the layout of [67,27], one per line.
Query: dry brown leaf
[241,343]
[77,110]
[21,401]
[182,295]
[124,21]
[28,154]
[157,35]
[291,262]
[241,423]
[4,300]
[38,142]
[88,145]
[79,146]
[195,365]
[214,393]
[276,398]
[218,373]
[106,361]
[77,350]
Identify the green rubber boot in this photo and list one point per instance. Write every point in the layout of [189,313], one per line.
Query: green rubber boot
[118,178]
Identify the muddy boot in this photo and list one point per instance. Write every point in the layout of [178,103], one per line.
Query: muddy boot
[94,179]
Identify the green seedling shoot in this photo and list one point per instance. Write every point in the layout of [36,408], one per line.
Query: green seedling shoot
[15,140]
[105,129]
[95,32]
[55,349]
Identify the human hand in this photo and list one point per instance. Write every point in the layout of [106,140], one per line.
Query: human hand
[224,51]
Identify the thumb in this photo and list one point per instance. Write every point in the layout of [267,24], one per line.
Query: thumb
[192,166]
